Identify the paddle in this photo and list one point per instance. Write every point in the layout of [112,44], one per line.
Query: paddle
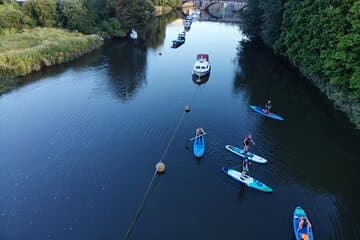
[197,136]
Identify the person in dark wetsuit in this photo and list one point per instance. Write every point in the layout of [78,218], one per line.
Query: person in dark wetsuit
[267,107]
[247,142]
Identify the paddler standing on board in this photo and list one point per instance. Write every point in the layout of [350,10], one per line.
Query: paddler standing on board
[245,166]
[246,143]
[267,107]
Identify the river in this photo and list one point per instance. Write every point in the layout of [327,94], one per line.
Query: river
[78,145]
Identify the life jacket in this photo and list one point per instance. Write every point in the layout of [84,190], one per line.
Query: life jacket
[304,236]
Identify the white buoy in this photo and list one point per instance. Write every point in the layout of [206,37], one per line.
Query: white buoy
[187,108]
[160,168]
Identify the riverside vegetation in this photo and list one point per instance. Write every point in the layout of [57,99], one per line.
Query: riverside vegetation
[321,38]
[42,33]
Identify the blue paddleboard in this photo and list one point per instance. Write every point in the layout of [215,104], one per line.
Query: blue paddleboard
[199,146]
[270,115]
[299,212]
[251,156]
[247,180]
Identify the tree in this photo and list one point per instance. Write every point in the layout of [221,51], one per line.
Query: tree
[134,14]
[43,12]
[73,14]
[11,16]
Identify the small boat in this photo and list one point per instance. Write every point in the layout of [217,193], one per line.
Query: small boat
[182,35]
[187,23]
[251,156]
[133,34]
[247,180]
[179,41]
[305,233]
[270,115]
[189,18]
[202,65]
[199,146]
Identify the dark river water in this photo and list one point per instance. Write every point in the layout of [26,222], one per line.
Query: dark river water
[78,145]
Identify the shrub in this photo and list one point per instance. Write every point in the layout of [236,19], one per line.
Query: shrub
[31,49]
[112,28]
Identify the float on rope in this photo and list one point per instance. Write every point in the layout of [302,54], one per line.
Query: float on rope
[160,168]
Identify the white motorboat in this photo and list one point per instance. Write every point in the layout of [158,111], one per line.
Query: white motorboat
[202,65]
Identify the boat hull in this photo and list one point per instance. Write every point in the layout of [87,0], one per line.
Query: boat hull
[200,74]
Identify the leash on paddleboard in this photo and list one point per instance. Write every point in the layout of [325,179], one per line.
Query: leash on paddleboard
[142,203]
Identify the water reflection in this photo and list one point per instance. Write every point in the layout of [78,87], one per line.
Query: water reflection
[154,34]
[126,68]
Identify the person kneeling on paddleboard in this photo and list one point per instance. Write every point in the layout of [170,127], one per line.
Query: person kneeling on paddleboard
[199,132]
[267,107]
[304,223]
[247,142]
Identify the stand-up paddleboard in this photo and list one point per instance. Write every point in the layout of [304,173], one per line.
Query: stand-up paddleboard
[305,233]
[270,115]
[199,146]
[251,156]
[247,180]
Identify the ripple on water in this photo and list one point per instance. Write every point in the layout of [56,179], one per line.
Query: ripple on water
[326,214]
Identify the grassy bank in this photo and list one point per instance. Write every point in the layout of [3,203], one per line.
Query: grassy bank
[29,50]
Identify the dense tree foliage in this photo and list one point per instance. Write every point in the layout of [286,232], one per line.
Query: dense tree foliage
[11,16]
[43,12]
[322,36]
[110,18]
[135,13]
[170,3]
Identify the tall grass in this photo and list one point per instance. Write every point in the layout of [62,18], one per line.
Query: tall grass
[28,50]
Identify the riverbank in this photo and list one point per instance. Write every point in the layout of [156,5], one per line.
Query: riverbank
[341,98]
[329,58]
[30,50]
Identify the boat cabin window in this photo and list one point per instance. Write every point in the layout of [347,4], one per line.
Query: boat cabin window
[197,67]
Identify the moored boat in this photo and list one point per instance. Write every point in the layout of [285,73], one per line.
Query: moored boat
[202,65]
[179,41]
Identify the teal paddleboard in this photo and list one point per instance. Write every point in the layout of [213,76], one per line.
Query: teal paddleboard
[247,180]
[251,156]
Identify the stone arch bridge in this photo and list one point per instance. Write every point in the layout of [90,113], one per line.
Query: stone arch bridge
[205,4]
